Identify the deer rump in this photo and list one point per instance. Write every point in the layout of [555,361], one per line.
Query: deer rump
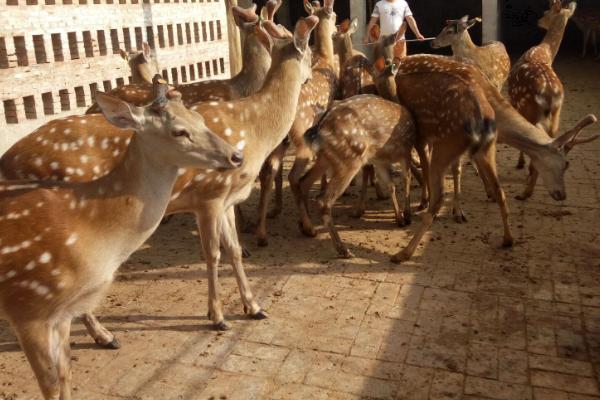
[445,105]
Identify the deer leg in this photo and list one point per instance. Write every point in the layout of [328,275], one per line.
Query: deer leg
[303,156]
[406,181]
[209,228]
[63,332]
[276,210]
[384,176]
[39,343]
[102,336]
[440,160]
[486,161]
[416,172]
[521,162]
[267,174]
[530,185]
[338,183]
[586,38]
[424,157]
[306,182]
[379,191]
[457,212]
[359,209]
[232,248]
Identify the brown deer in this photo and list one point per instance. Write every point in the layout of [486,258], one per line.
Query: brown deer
[315,98]
[364,128]
[492,57]
[256,61]
[548,156]
[534,88]
[588,22]
[256,124]
[143,64]
[61,243]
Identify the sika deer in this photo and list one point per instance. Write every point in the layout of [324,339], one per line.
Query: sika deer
[534,88]
[492,57]
[62,242]
[143,64]
[588,22]
[548,156]
[315,98]
[255,58]
[256,124]
[361,129]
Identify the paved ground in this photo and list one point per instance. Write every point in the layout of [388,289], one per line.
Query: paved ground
[464,320]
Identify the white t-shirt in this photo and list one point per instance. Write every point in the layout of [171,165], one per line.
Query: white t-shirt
[391,15]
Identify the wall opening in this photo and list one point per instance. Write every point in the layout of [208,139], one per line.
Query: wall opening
[65,101]
[192,72]
[183,74]
[175,80]
[170,34]
[200,70]
[48,103]
[139,38]
[3,54]
[88,44]
[107,85]
[39,49]
[57,47]
[93,90]
[114,41]
[10,112]
[211,29]
[126,39]
[22,60]
[79,96]
[72,38]
[150,36]
[29,104]
[101,42]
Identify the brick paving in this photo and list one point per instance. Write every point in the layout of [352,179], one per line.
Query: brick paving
[464,320]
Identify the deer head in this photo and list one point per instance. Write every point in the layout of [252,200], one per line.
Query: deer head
[173,133]
[557,14]
[384,79]
[143,64]
[453,31]
[342,38]
[554,159]
[325,14]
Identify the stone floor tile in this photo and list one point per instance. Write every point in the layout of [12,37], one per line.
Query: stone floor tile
[569,383]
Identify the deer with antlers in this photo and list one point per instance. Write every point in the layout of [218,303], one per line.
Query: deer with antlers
[492,57]
[534,88]
[548,156]
[61,243]
[315,98]
[256,61]
[256,124]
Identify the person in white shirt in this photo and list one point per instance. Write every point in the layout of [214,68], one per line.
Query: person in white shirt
[392,16]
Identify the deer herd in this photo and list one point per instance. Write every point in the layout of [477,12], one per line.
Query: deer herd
[80,194]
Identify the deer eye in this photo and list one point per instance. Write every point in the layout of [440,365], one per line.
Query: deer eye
[181,133]
[566,165]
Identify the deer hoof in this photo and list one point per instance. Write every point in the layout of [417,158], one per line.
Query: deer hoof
[112,345]
[274,213]
[222,326]
[166,219]
[522,197]
[423,205]
[459,218]
[260,314]
[508,242]
[357,213]
[262,241]
[521,164]
[307,231]
[245,253]
[345,253]
[399,258]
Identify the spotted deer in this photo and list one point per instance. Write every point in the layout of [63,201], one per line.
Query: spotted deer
[492,57]
[142,64]
[548,155]
[587,21]
[315,98]
[255,124]
[61,243]
[534,88]
[256,61]
[360,129]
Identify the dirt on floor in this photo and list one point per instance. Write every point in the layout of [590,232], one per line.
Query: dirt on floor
[465,319]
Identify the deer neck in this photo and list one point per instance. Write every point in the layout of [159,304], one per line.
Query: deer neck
[273,108]
[464,46]
[135,195]
[517,132]
[554,36]
[323,41]
[256,62]
[346,50]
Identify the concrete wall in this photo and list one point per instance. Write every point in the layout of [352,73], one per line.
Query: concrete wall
[54,54]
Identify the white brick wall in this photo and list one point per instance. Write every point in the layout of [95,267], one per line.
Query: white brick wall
[52,56]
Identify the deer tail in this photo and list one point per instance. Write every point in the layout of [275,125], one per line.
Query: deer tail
[481,128]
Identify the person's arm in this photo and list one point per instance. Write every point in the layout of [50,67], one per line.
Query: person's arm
[372,23]
[413,27]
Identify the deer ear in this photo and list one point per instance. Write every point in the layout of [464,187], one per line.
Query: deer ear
[302,32]
[124,55]
[472,22]
[146,51]
[120,114]
[264,13]
[572,7]
[353,26]
[308,7]
[328,5]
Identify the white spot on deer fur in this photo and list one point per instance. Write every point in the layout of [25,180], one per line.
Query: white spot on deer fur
[104,144]
[69,170]
[64,146]
[79,171]
[241,144]
[52,130]
[55,272]
[116,152]
[83,158]
[199,177]
[215,120]
[60,285]
[10,274]
[71,239]
[227,131]
[175,195]
[42,290]
[30,265]
[180,171]
[91,141]
[67,131]
[45,257]
[96,169]
[83,121]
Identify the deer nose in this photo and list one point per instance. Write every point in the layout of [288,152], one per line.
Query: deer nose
[237,158]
